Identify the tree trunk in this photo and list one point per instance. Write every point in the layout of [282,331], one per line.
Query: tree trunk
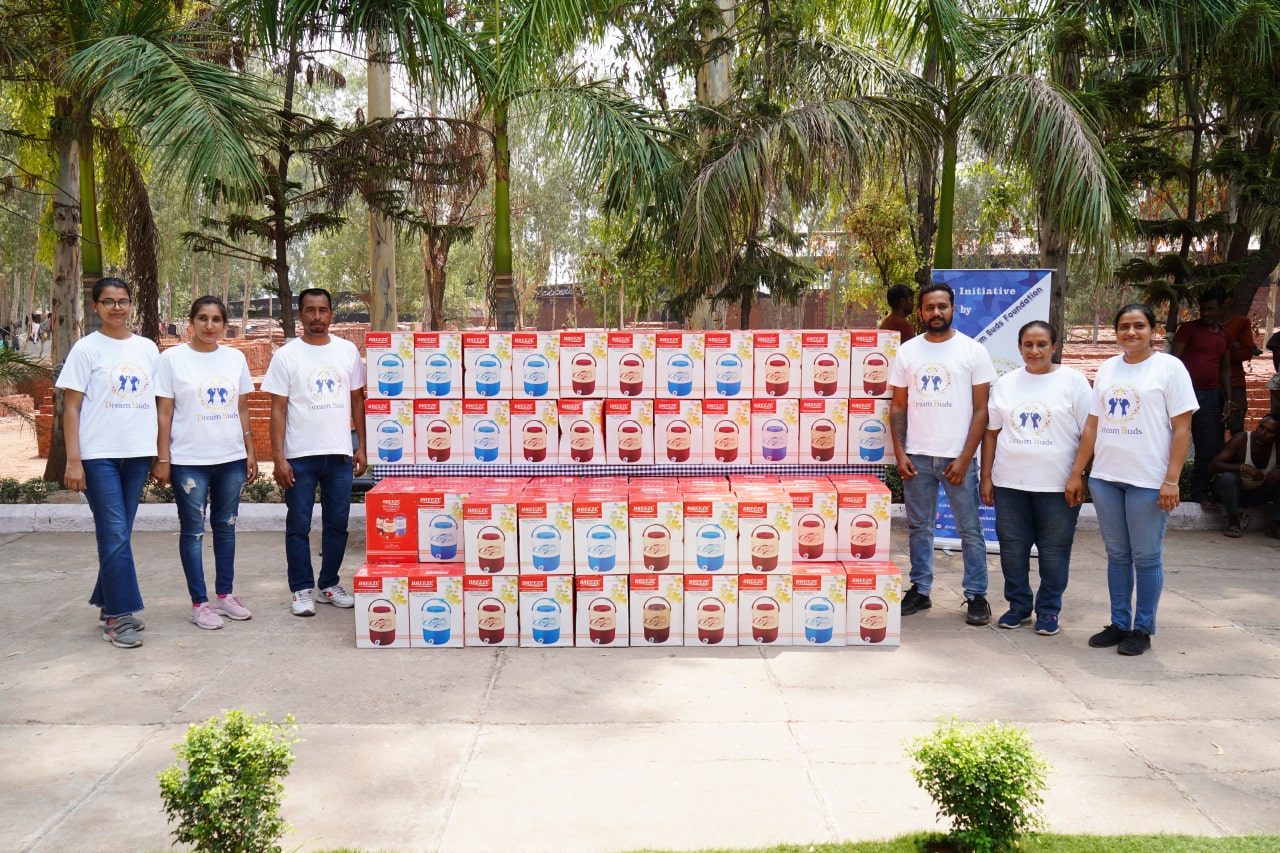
[63,325]
[744,309]
[383,308]
[279,200]
[926,198]
[435,256]
[1055,254]
[91,268]
[944,251]
[503,284]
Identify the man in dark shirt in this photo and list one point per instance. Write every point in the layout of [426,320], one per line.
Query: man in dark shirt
[1240,333]
[1203,348]
[901,301]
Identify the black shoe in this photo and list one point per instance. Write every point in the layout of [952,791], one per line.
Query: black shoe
[979,612]
[1108,637]
[914,601]
[1135,644]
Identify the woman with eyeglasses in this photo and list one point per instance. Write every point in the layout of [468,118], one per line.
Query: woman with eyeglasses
[109,423]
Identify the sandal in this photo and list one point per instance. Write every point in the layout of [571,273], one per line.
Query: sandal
[1232,530]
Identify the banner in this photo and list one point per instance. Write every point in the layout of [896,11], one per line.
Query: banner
[991,306]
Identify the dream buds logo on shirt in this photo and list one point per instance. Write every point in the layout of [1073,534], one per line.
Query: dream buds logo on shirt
[216,394]
[1030,419]
[129,382]
[1120,404]
[324,385]
[933,380]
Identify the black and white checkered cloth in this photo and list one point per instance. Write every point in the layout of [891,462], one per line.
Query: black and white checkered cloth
[634,471]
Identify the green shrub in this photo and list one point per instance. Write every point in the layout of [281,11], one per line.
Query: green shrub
[158,493]
[988,780]
[33,491]
[893,480]
[259,490]
[228,798]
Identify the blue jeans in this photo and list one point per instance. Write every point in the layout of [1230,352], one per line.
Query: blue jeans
[333,475]
[113,488]
[220,484]
[1132,527]
[921,496]
[1043,519]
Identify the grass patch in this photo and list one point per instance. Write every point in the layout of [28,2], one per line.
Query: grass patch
[1045,843]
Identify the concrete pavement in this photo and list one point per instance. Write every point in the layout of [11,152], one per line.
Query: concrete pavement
[594,750]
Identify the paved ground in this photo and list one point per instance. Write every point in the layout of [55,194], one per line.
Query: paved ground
[588,750]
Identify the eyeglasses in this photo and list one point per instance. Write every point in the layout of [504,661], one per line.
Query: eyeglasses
[111,304]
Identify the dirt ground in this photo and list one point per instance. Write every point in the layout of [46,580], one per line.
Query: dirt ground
[18,450]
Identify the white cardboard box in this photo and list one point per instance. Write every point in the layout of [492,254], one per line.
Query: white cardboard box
[764,532]
[764,610]
[491,610]
[726,431]
[535,432]
[545,523]
[862,525]
[775,428]
[437,360]
[871,355]
[602,616]
[657,609]
[710,534]
[631,368]
[730,365]
[489,529]
[824,370]
[486,432]
[546,610]
[679,359]
[535,365]
[388,432]
[874,615]
[487,358]
[818,609]
[869,438]
[582,432]
[657,532]
[601,541]
[437,430]
[824,431]
[435,606]
[777,364]
[389,356]
[440,536]
[584,364]
[628,431]
[677,432]
[813,520]
[710,610]
[381,592]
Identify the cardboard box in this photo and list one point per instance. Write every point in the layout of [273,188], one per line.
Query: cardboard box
[656,602]
[388,432]
[871,354]
[487,359]
[657,532]
[582,432]
[764,610]
[486,432]
[546,610]
[869,438]
[437,430]
[391,520]
[389,356]
[601,615]
[710,533]
[824,370]
[775,428]
[437,365]
[601,541]
[862,523]
[535,432]
[491,610]
[874,614]
[631,368]
[628,431]
[818,604]
[764,532]
[535,365]
[730,365]
[726,432]
[824,431]
[489,530]
[681,374]
[435,606]
[813,520]
[440,537]
[545,523]
[711,610]
[777,365]
[584,364]
[677,432]
[381,592]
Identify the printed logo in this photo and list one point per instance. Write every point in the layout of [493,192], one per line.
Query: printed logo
[216,394]
[1030,419]
[129,382]
[933,380]
[324,385]
[1120,404]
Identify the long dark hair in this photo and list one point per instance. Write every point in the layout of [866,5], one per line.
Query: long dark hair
[1143,309]
[207,300]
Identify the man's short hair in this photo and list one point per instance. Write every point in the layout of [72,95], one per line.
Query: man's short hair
[314,291]
[1212,294]
[899,292]
[933,287]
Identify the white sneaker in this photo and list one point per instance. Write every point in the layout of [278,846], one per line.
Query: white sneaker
[232,607]
[304,604]
[337,596]
[202,616]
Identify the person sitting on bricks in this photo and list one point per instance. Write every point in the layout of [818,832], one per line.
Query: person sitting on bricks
[1247,475]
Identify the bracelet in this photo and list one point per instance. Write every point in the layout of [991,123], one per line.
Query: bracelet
[248,432]
[166,461]
[1170,483]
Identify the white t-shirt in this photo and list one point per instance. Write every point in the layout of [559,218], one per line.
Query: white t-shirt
[118,414]
[205,388]
[1135,404]
[1040,418]
[318,380]
[939,379]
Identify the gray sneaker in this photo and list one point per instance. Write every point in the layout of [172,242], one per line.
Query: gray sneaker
[138,624]
[337,596]
[122,634]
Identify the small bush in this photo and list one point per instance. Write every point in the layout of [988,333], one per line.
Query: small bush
[158,493]
[259,490]
[33,491]
[228,798]
[988,780]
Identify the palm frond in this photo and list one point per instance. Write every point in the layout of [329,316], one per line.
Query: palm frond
[533,37]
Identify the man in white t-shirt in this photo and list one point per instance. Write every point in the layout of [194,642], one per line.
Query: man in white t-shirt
[316,384]
[941,381]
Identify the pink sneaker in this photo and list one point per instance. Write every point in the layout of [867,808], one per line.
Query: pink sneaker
[231,607]
[202,616]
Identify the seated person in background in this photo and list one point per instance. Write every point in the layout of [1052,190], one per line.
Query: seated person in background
[1247,475]
[1273,385]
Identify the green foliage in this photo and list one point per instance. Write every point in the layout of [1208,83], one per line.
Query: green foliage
[987,779]
[260,490]
[33,491]
[893,480]
[228,797]
[158,493]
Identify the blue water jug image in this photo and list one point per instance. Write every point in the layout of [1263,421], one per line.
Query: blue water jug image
[546,621]
[709,548]
[728,375]
[488,375]
[680,375]
[819,620]
[546,548]
[484,442]
[871,440]
[390,375]
[442,537]
[437,616]
[774,442]
[537,375]
[390,441]
[439,375]
[602,548]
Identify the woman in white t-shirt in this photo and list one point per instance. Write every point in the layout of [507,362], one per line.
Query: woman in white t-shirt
[109,423]
[1036,415]
[1137,436]
[206,452]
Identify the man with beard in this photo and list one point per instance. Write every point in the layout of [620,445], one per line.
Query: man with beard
[940,382]
[316,384]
